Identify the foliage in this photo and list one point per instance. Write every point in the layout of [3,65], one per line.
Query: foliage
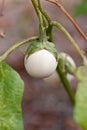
[81,9]
[80,111]
[11,92]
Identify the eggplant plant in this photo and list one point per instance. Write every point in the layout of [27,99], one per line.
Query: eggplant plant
[42,60]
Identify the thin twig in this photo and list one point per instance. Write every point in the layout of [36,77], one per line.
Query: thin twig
[70,18]
[65,32]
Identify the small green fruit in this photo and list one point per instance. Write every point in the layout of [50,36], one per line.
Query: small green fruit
[69,63]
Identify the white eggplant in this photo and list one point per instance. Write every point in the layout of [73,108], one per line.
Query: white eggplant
[40,64]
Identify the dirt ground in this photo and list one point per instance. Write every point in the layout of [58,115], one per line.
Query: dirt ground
[45,107]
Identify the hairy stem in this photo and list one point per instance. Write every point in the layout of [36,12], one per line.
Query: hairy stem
[44,13]
[65,32]
[15,46]
[41,22]
[49,28]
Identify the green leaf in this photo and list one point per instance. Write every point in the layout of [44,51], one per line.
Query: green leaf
[11,92]
[80,111]
[81,9]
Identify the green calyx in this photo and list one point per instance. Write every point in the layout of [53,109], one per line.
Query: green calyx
[69,68]
[37,46]
[67,65]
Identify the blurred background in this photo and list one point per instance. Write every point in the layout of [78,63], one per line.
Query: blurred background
[45,106]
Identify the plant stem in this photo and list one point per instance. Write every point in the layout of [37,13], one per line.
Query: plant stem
[69,17]
[40,8]
[65,81]
[15,46]
[49,32]
[65,32]
[41,22]
[49,28]
[44,13]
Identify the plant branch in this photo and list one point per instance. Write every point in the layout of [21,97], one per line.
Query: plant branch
[44,13]
[49,28]
[15,46]
[65,81]
[69,17]
[49,32]
[65,32]
[41,22]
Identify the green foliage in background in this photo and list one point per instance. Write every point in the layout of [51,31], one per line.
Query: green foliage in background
[80,110]
[11,92]
[81,9]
